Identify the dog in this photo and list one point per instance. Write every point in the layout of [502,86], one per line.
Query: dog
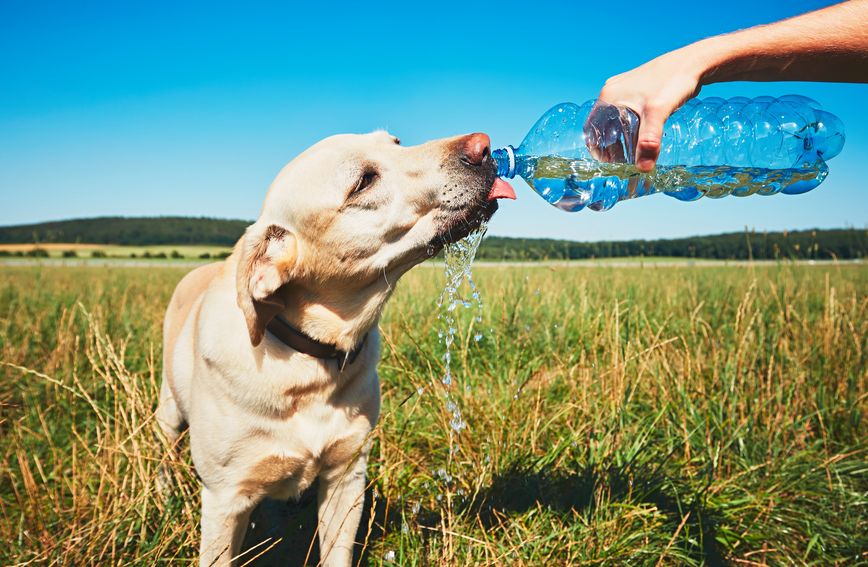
[270,356]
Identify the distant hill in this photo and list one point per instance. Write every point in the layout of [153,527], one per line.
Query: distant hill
[134,231]
[149,231]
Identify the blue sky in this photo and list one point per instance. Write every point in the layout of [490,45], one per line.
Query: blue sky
[186,108]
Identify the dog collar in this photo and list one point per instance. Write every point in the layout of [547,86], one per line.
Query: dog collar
[297,340]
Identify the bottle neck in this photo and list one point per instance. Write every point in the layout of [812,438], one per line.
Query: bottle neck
[505,160]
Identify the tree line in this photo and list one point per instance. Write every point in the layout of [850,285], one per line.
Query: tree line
[843,244]
[131,231]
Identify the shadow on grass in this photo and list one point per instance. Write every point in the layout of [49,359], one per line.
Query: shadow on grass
[519,488]
[524,486]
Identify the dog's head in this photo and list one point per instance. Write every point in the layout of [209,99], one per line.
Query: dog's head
[351,214]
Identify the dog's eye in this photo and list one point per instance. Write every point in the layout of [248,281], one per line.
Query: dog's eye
[366,180]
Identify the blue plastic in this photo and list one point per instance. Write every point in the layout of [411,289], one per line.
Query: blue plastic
[581,156]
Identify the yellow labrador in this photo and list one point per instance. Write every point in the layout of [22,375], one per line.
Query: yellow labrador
[270,356]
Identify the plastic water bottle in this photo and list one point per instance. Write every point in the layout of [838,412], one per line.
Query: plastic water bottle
[582,156]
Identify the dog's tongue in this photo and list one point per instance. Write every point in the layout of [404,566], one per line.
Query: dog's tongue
[501,190]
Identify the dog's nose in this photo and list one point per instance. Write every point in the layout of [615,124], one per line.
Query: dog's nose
[476,148]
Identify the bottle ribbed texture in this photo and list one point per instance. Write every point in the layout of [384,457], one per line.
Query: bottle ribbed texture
[579,156]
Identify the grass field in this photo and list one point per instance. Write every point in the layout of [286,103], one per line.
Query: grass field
[642,416]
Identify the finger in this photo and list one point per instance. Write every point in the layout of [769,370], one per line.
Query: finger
[592,133]
[650,137]
[603,132]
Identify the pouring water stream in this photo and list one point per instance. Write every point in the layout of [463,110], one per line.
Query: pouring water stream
[458,262]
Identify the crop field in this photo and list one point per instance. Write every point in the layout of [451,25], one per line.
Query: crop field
[74,250]
[652,415]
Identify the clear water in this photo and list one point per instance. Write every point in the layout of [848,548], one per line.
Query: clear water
[574,184]
[458,263]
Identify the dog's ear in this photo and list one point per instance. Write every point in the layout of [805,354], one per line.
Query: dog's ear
[266,263]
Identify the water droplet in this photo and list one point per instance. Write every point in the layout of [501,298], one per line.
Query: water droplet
[457,424]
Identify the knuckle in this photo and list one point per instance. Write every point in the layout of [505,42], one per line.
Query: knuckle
[655,106]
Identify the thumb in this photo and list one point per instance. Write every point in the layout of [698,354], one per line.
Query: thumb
[650,136]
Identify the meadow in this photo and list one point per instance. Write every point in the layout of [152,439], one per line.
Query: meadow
[651,415]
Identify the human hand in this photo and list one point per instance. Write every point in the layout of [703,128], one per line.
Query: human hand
[653,91]
[829,44]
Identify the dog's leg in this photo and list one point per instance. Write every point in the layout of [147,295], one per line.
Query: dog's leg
[223,526]
[169,415]
[341,496]
[171,422]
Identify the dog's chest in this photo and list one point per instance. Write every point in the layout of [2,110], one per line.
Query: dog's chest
[289,456]
[279,476]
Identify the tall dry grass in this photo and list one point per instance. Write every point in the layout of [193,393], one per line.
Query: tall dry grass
[616,416]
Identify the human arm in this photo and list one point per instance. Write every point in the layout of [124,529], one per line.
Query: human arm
[830,44]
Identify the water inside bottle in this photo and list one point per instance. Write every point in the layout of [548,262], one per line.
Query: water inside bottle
[458,258]
[572,184]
